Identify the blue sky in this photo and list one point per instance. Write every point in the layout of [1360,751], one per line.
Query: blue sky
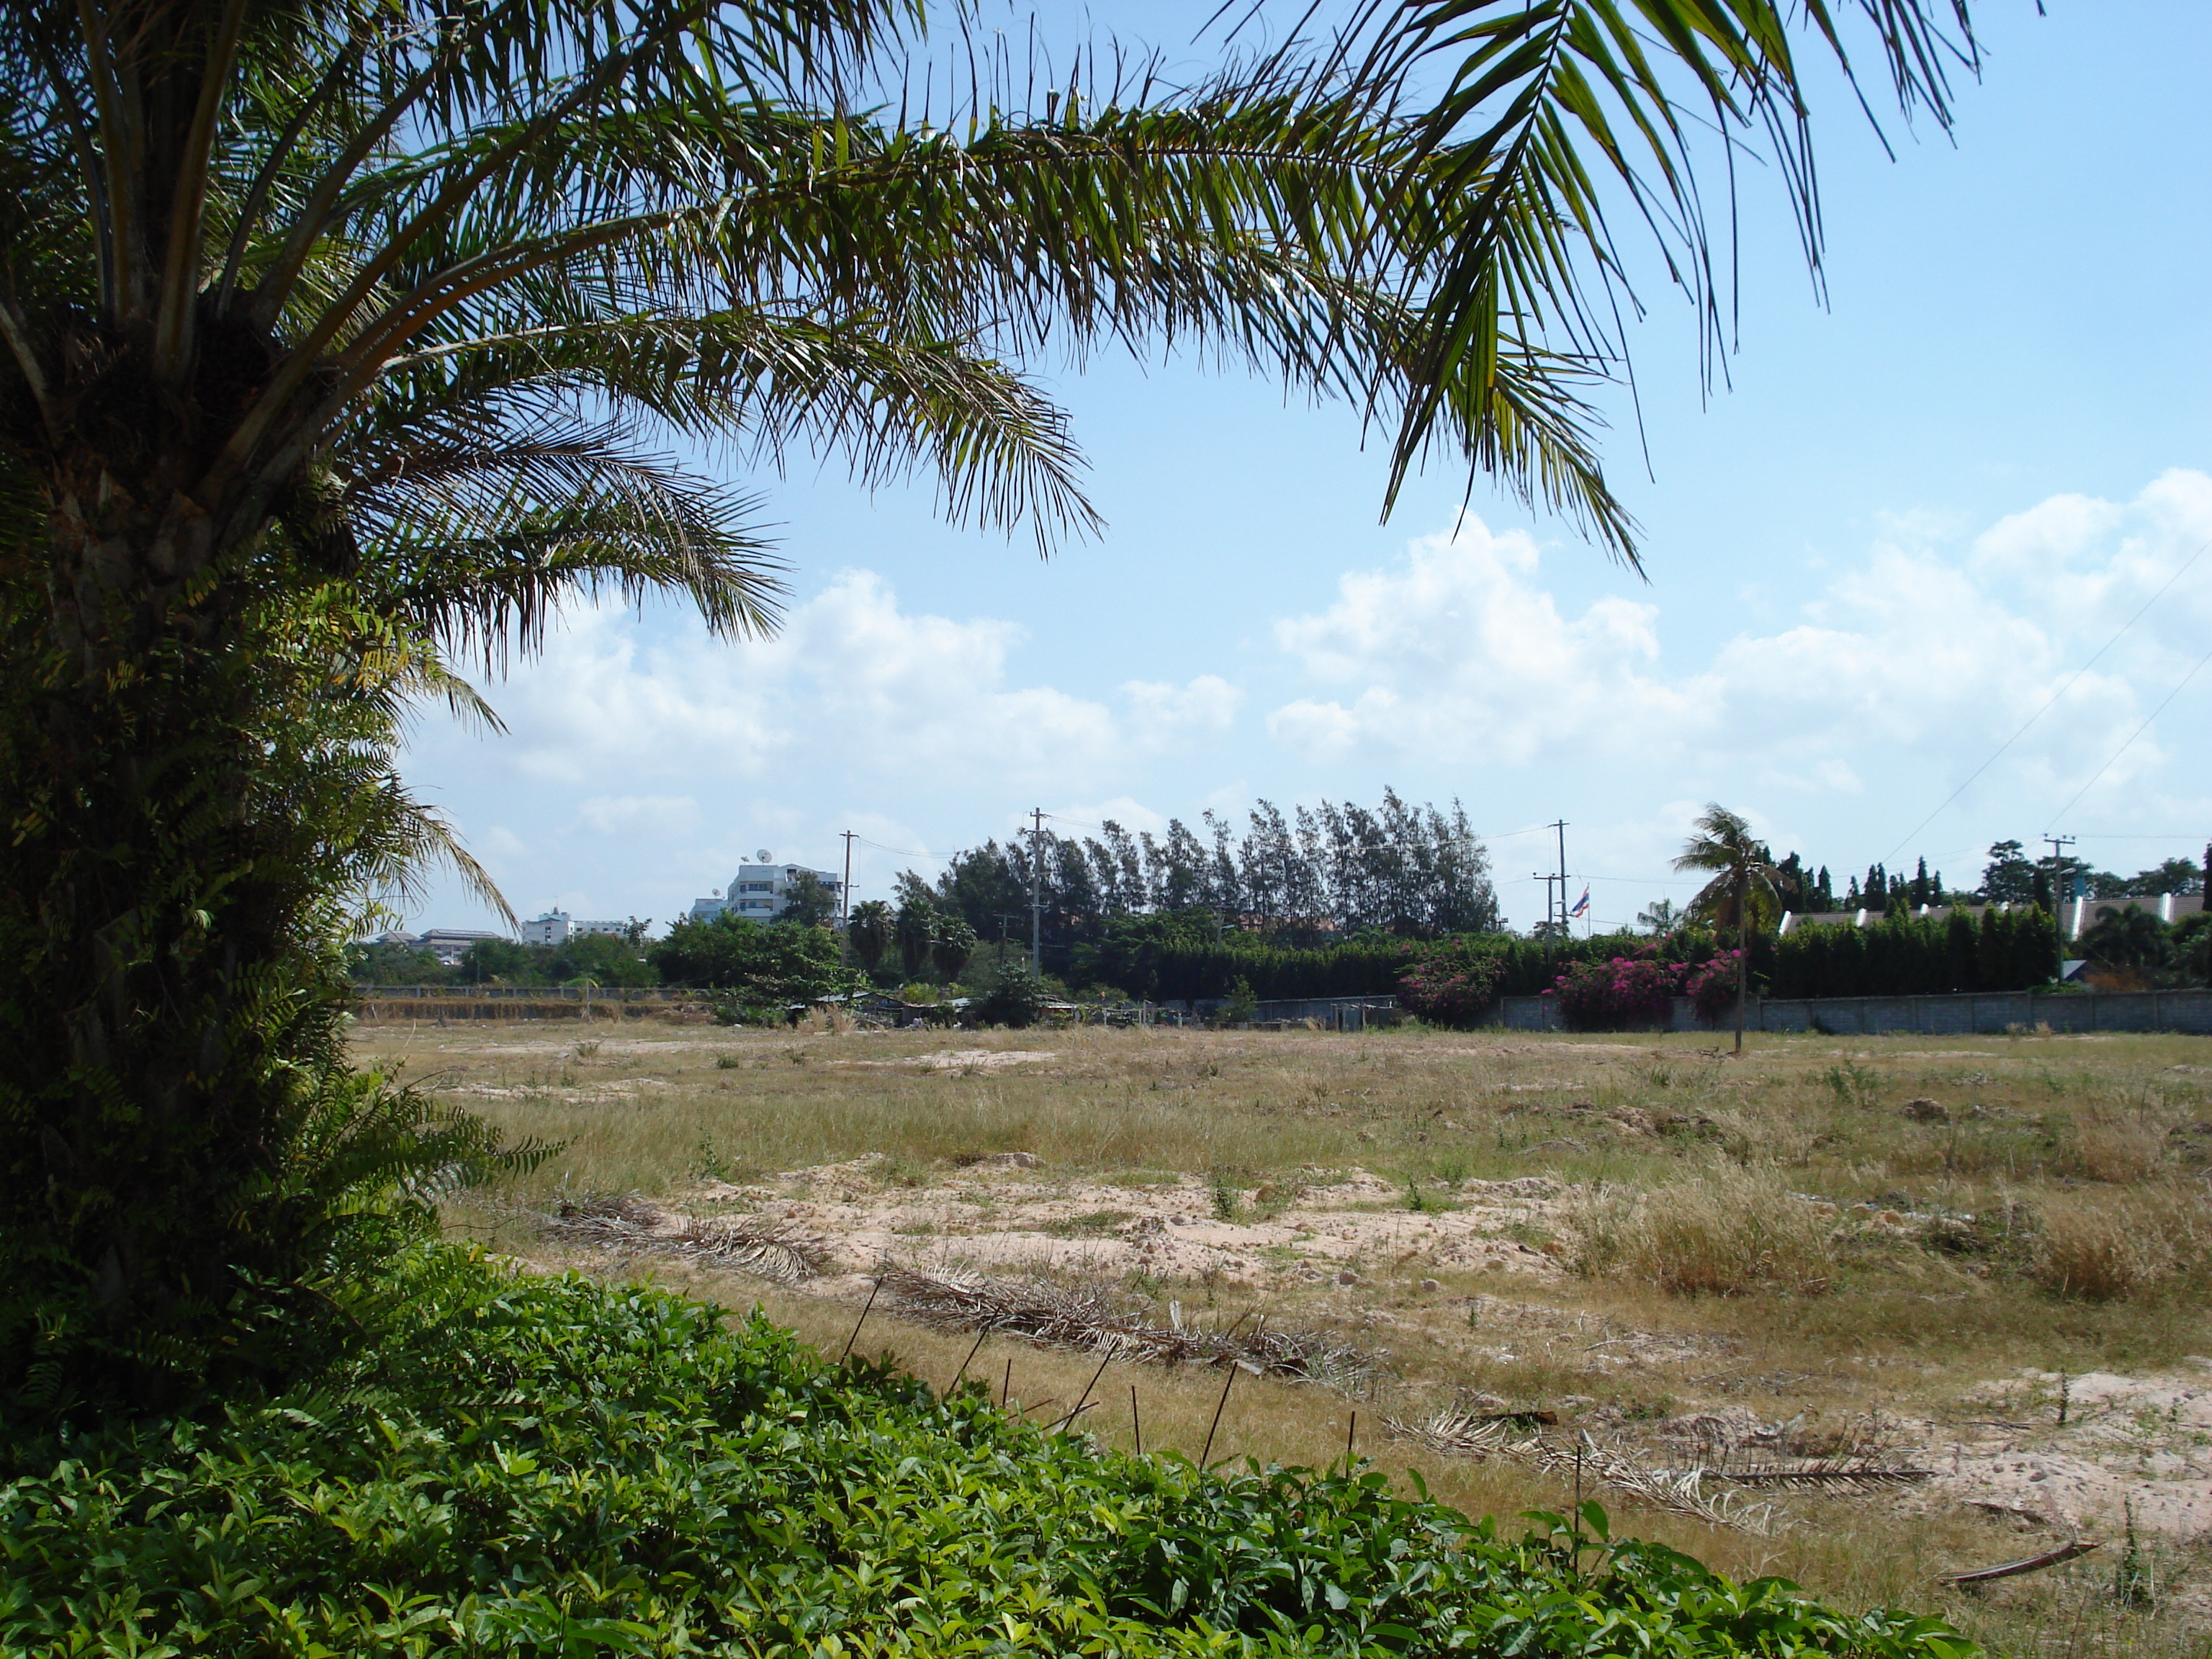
[1907,522]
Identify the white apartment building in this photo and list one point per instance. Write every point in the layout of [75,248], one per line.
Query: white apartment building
[557,926]
[760,892]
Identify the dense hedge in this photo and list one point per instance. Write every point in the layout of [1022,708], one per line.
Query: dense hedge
[1906,955]
[1899,955]
[1178,972]
[548,1467]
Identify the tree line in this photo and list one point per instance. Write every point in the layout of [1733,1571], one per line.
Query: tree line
[2010,877]
[1316,876]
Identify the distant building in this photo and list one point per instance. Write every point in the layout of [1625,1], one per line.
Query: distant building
[450,944]
[761,892]
[558,927]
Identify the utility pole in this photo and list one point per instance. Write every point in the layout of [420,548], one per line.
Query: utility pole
[1036,893]
[1561,878]
[2057,900]
[1561,826]
[1547,878]
[845,893]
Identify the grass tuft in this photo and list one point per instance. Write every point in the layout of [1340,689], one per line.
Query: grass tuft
[1727,1232]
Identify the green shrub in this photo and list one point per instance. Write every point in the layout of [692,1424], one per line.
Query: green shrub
[1452,982]
[768,964]
[522,1465]
[1016,998]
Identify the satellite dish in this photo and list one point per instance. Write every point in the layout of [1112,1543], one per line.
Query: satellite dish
[761,856]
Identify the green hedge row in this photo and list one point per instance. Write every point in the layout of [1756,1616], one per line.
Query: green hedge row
[1900,956]
[1179,972]
[1906,956]
[1526,966]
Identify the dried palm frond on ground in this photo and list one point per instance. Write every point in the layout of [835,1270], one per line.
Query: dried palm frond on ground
[601,1218]
[625,1221]
[1091,1320]
[1852,1474]
[1461,1434]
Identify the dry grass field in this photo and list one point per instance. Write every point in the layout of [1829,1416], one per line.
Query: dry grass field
[1975,1271]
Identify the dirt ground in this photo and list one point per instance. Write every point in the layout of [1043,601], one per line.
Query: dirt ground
[1434,1201]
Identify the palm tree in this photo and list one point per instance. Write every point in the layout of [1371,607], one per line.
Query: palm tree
[951,944]
[869,930]
[1659,918]
[916,924]
[1741,893]
[1513,254]
[340,341]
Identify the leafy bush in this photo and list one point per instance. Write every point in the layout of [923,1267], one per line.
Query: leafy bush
[1620,991]
[769,964]
[554,1466]
[1015,997]
[1453,982]
[1712,985]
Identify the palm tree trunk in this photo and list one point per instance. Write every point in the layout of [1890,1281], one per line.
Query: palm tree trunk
[1743,955]
[150,915]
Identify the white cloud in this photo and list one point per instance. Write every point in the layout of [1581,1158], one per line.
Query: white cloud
[1162,713]
[1925,653]
[852,675]
[640,815]
[647,760]
[1460,654]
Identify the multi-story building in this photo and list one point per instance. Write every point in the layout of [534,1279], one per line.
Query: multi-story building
[557,926]
[761,892]
[450,944]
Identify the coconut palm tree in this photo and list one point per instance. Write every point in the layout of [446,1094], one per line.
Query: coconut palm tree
[913,930]
[1741,894]
[869,930]
[951,943]
[342,334]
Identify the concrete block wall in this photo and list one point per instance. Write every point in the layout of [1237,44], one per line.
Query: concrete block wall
[1967,1013]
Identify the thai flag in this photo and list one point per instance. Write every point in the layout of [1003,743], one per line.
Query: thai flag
[1581,905]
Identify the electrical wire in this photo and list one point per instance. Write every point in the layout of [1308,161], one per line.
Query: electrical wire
[2132,736]
[2055,696]
[901,852]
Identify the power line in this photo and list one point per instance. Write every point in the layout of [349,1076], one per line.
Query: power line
[903,852]
[2132,736]
[2055,696]
[2179,834]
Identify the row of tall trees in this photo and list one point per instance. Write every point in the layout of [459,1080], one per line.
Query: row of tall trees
[1309,878]
[2009,877]
[2012,876]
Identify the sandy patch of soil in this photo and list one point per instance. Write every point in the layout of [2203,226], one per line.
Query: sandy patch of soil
[1348,1228]
[2143,1443]
[962,1060]
[584,1088]
[1346,1238]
